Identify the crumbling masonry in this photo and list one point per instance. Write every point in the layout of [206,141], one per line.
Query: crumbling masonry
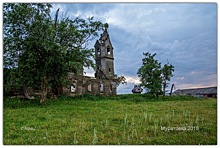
[104,82]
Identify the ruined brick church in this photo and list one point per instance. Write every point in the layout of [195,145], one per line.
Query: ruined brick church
[104,82]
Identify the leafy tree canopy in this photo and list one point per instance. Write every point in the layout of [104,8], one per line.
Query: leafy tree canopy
[42,49]
[153,75]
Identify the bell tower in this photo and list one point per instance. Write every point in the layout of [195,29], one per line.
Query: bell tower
[104,56]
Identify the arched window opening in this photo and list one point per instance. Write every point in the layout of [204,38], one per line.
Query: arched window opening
[73,88]
[108,50]
[89,88]
[110,88]
[101,88]
[98,52]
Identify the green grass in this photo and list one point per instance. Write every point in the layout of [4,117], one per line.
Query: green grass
[124,119]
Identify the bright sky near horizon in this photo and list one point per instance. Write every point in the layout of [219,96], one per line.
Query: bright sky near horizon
[185,34]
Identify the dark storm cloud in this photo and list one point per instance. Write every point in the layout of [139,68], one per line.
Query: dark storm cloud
[83,10]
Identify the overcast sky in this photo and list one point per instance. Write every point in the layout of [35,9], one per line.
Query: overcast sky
[185,34]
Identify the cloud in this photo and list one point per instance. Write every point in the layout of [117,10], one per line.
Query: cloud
[133,79]
[194,59]
[126,88]
[179,78]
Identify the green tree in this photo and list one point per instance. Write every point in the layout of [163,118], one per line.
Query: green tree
[43,50]
[72,38]
[24,43]
[150,74]
[120,80]
[153,76]
[167,73]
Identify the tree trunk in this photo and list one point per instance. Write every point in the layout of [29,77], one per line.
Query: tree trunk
[43,90]
[171,89]
[60,89]
[164,88]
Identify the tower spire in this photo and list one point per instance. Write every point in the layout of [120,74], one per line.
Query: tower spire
[104,56]
[106,26]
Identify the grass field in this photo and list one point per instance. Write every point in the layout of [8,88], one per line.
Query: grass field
[121,120]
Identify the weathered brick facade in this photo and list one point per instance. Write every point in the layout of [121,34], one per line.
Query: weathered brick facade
[103,83]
